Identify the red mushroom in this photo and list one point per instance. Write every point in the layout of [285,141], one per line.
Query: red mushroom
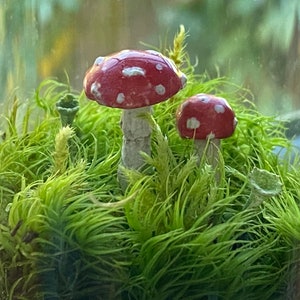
[133,80]
[206,119]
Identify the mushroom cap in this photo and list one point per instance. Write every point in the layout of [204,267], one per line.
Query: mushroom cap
[132,78]
[205,116]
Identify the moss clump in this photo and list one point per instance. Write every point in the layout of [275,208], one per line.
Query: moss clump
[67,230]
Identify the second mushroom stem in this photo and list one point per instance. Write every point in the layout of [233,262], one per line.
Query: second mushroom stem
[136,139]
[208,149]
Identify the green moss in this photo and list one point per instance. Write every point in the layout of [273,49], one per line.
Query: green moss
[67,230]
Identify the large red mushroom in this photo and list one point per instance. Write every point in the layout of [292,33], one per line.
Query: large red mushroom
[133,80]
[206,119]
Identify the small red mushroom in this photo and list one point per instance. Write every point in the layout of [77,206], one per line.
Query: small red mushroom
[133,80]
[206,119]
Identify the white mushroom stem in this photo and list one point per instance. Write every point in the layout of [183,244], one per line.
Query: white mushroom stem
[136,139]
[208,150]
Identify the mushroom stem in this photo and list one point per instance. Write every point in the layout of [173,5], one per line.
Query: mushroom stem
[208,149]
[136,139]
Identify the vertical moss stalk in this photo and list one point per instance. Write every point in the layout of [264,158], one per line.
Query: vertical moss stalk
[62,153]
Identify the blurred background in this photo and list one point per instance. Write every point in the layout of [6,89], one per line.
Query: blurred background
[255,43]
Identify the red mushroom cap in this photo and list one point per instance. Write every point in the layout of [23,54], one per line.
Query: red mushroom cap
[132,78]
[205,116]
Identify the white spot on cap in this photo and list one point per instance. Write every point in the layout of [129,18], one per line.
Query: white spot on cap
[99,60]
[159,67]
[203,98]
[95,90]
[160,89]
[120,98]
[133,71]
[219,108]
[210,136]
[192,123]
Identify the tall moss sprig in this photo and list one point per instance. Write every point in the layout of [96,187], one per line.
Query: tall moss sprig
[178,52]
[62,153]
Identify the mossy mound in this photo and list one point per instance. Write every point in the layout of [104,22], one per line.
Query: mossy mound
[69,232]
